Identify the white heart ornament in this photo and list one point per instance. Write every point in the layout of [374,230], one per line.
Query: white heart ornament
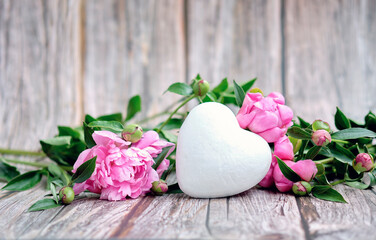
[215,157]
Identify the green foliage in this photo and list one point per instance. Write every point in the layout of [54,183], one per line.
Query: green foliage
[341,121]
[134,106]
[44,204]
[7,171]
[239,94]
[325,192]
[84,171]
[24,182]
[288,172]
[180,88]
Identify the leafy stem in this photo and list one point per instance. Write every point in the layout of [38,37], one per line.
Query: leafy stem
[21,152]
[337,182]
[340,141]
[36,164]
[175,111]
[324,161]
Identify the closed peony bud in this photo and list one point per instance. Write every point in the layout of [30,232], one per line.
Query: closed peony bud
[321,137]
[301,188]
[159,187]
[132,133]
[201,88]
[66,195]
[363,163]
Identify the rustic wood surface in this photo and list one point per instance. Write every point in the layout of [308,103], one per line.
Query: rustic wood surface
[62,59]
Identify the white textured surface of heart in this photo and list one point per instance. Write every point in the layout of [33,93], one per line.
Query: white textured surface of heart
[215,157]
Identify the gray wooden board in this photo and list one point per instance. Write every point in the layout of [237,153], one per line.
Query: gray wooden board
[330,57]
[38,70]
[132,47]
[235,39]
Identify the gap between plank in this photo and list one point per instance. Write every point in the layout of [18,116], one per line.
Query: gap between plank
[207,219]
[303,220]
[283,49]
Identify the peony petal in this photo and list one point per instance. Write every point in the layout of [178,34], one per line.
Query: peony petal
[272,135]
[277,97]
[286,114]
[263,121]
[83,157]
[284,149]
[268,180]
[105,137]
[306,169]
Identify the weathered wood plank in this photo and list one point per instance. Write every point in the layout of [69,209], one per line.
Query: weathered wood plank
[330,57]
[255,214]
[175,216]
[235,39]
[39,70]
[132,47]
[103,216]
[330,220]
[16,221]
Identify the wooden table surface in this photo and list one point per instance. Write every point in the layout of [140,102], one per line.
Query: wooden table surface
[254,214]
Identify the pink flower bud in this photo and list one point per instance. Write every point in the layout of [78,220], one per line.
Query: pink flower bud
[159,187]
[321,137]
[363,163]
[301,188]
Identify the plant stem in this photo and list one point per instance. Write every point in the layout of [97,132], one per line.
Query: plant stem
[21,152]
[340,141]
[36,164]
[326,160]
[337,182]
[175,111]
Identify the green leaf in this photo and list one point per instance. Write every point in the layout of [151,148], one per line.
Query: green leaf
[353,133]
[7,171]
[44,204]
[24,182]
[84,171]
[341,121]
[57,141]
[320,169]
[113,126]
[303,123]
[174,188]
[134,106]
[327,193]
[53,191]
[372,179]
[68,131]
[118,117]
[321,179]
[358,185]
[88,132]
[169,136]
[180,88]
[89,119]
[62,150]
[174,123]
[248,85]
[311,154]
[333,152]
[158,159]
[210,97]
[239,94]
[288,172]
[221,87]
[299,133]
[54,170]
[370,120]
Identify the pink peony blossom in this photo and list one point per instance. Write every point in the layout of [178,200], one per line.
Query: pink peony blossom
[265,116]
[268,180]
[306,169]
[151,143]
[284,149]
[120,170]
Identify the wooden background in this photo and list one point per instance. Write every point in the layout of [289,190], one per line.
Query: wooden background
[62,59]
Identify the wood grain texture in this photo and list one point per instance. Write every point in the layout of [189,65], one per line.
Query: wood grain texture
[235,39]
[132,47]
[38,70]
[255,214]
[15,221]
[330,57]
[330,220]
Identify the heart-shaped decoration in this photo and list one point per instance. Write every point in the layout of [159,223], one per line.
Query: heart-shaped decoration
[215,157]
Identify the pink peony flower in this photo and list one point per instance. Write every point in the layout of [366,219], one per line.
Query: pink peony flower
[306,169]
[151,143]
[265,116]
[284,149]
[120,170]
[268,180]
